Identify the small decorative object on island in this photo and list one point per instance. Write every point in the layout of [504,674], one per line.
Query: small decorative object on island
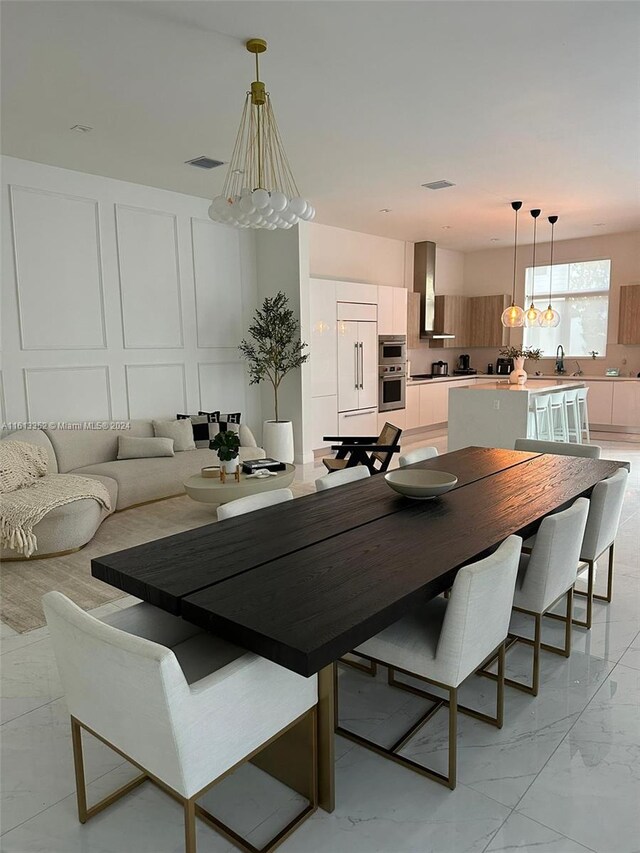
[260,190]
[518,375]
[275,350]
[513,316]
[226,444]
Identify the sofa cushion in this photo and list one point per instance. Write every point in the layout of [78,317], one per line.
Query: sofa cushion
[136,447]
[38,437]
[141,480]
[75,448]
[179,430]
[110,485]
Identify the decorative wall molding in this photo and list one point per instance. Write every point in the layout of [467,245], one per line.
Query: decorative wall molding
[47,302]
[65,400]
[149,405]
[222,385]
[150,299]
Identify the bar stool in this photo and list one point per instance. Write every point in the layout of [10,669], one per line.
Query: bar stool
[583,410]
[558,416]
[539,417]
[572,415]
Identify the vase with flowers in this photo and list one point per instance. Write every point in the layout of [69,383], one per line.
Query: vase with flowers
[518,375]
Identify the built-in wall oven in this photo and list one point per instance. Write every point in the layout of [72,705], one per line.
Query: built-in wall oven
[392,349]
[392,381]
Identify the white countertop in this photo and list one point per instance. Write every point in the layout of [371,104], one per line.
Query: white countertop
[412,381]
[568,376]
[536,387]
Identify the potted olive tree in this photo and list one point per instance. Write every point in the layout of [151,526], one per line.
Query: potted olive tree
[226,444]
[518,375]
[275,350]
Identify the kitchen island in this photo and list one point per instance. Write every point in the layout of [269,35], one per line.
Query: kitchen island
[495,414]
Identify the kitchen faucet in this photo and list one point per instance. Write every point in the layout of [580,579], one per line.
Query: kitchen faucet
[560,359]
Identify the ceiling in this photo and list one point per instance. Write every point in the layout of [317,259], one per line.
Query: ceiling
[530,100]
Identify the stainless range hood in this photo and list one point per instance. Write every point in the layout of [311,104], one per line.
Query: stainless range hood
[424,283]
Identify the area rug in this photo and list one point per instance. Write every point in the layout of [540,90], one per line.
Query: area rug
[24,582]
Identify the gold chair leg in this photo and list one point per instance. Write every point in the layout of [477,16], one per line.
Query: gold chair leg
[608,595]
[370,669]
[453,737]
[190,826]
[588,594]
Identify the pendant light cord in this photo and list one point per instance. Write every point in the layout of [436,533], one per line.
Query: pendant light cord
[515,256]
[552,220]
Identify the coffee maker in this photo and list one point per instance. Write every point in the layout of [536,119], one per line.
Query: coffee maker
[504,366]
[463,368]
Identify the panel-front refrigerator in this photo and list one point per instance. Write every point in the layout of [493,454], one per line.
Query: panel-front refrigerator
[357,370]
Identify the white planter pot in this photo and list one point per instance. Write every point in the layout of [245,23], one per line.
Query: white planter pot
[230,465]
[518,375]
[277,438]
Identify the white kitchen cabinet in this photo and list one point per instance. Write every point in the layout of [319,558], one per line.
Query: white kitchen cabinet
[600,402]
[357,365]
[397,417]
[359,422]
[412,407]
[324,411]
[400,295]
[392,311]
[350,291]
[626,403]
[323,363]
[426,405]
[385,311]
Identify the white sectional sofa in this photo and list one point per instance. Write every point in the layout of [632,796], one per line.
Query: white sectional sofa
[92,453]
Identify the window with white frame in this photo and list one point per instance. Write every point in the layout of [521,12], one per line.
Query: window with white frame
[580,294]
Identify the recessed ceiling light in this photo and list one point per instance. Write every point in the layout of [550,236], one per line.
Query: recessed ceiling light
[599,224]
[81,128]
[495,239]
[438,185]
[203,162]
[446,228]
[385,210]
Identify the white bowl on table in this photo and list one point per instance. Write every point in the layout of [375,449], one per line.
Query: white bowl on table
[420,484]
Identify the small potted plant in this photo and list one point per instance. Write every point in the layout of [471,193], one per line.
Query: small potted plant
[226,444]
[518,375]
[275,350]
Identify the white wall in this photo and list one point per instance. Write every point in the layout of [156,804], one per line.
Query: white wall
[119,300]
[491,271]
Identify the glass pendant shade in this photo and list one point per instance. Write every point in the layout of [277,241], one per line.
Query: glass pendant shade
[531,316]
[513,317]
[259,190]
[549,318]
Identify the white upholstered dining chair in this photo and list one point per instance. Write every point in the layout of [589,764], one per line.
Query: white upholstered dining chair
[253,502]
[417,455]
[445,641]
[545,576]
[560,448]
[182,705]
[339,478]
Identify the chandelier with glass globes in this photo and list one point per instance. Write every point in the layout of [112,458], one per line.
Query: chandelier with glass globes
[259,190]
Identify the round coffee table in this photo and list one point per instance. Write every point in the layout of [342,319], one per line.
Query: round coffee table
[211,490]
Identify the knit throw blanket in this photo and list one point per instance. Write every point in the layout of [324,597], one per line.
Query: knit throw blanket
[21,509]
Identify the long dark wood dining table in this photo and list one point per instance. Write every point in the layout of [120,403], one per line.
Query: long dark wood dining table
[304,582]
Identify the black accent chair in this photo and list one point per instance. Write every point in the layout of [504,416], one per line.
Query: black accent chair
[373,451]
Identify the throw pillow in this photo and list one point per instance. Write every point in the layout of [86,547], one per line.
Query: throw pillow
[200,425]
[131,447]
[179,430]
[226,422]
[21,464]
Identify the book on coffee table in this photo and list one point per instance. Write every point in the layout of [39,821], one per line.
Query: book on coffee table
[250,466]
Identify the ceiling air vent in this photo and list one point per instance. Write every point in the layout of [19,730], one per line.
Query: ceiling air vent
[204,162]
[438,185]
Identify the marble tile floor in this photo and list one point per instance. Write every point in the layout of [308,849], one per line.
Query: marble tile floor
[562,776]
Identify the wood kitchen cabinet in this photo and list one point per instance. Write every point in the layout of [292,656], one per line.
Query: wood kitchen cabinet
[600,402]
[484,324]
[412,407]
[629,318]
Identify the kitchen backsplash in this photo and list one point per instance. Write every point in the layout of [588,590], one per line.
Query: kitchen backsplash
[422,358]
